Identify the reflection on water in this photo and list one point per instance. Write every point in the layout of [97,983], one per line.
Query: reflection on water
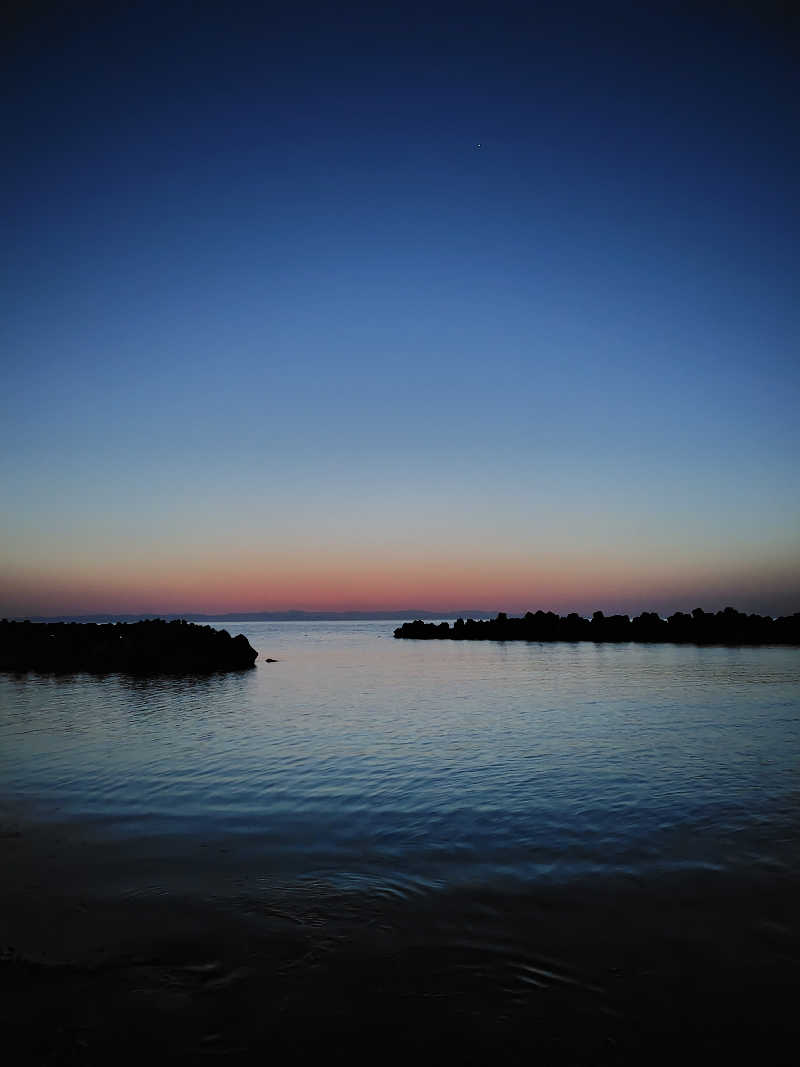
[356,760]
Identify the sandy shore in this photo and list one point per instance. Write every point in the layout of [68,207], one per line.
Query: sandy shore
[695,967]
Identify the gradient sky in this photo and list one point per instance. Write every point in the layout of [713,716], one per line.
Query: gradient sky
[278,334]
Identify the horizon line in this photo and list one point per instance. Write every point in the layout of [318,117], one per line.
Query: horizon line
[299,614]
[287,613]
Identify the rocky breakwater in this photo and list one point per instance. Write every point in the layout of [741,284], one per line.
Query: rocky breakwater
[726,627]
[153,646]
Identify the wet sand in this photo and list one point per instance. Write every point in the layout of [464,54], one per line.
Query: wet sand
[697,967]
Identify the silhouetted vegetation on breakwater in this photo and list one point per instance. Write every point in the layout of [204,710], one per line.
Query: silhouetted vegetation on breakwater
[150,647]
[728,627]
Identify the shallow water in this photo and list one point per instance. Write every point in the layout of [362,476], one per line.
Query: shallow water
[567,854]
[404,767]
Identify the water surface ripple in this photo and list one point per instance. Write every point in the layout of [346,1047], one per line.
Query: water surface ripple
[359,761]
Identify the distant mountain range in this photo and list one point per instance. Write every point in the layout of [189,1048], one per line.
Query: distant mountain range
[267,616]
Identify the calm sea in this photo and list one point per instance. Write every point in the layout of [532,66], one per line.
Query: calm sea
[404,767]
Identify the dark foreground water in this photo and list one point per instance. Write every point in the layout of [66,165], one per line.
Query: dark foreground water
[586,852]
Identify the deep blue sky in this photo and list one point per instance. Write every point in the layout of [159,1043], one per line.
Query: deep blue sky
[279,334]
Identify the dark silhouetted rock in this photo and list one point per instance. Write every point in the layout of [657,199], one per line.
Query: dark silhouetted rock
[150,647]
[727,627]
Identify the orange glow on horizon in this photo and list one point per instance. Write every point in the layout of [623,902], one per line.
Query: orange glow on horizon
[349,581]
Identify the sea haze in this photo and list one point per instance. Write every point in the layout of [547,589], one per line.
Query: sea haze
[358,761]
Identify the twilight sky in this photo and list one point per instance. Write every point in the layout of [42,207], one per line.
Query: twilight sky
[371,307]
